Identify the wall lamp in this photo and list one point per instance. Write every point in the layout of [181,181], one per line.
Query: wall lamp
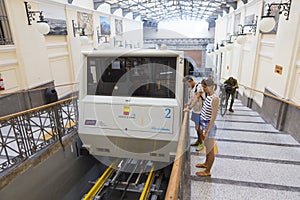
[267,22]
[118,42]
[83,37]
[222,45]
[217,47]
[41,25]
[240,39]
[252,26]
[229,43]
[99,36]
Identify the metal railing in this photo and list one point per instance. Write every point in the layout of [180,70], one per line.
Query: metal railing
[26,133]
[173,190]
[272,96]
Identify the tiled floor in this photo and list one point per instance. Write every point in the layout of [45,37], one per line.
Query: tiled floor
[255,161]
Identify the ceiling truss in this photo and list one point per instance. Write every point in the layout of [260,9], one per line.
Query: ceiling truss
[163,10]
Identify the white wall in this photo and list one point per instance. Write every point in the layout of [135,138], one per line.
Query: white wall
[253,63]
[35,59]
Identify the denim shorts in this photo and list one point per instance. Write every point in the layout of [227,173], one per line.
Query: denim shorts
[203,126]
[195,118]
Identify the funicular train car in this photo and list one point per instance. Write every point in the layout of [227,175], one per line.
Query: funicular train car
[131,102]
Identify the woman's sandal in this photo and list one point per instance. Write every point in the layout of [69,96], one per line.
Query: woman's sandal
[203,174]
[201,165]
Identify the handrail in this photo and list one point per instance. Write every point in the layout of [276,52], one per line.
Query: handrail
[272,96]
[26,133]
[36,109]
[37,89]
[173,187]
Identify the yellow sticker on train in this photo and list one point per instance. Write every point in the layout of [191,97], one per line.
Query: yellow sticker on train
[126,110]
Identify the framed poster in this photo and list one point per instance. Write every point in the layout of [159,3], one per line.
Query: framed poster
[229,23]
[250,19]
[104,25]
[85,21]
[55,16]
[237,21]
[119,26]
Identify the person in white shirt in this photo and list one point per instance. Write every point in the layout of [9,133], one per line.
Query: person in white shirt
[196,98]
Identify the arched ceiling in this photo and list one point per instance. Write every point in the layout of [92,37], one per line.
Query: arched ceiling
[155,11]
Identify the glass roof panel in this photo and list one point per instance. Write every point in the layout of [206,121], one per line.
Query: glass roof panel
[160,10]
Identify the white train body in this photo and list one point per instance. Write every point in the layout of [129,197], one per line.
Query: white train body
[130,103]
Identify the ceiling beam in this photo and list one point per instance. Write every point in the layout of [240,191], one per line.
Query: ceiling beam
[113,8]
[225,8]
[135,15]
[97,3]
[232,3]
[125,11]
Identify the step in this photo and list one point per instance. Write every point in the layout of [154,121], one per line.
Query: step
[253,172]
[256,137]
[212,190]
[244,126]
[261,151]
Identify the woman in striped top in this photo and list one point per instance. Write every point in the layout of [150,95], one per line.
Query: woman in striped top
[207,120]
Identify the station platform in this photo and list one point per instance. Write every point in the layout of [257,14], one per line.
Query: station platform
[254,160]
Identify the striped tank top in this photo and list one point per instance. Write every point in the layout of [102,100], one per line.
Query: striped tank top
[206,112]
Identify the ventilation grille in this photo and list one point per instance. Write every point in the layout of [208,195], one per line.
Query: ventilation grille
[103,149]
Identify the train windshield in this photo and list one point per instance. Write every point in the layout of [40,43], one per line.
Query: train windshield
[132,76]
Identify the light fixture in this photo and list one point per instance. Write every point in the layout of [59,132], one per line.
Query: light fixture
[41,25]
[229,46]
[222,46]
[99,36]
[241,35]
[102,36]
[229,42]
[267,22]
[252,26]
[83,37]
[241,39]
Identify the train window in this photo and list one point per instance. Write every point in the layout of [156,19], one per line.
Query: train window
[132,76]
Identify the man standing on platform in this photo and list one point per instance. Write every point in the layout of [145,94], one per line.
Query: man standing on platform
[195,103]
[231,85]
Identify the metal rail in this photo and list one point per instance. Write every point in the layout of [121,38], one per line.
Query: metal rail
[37,89]
[147,186]
[174,182]
[272,96]
[99,184]
[24,133]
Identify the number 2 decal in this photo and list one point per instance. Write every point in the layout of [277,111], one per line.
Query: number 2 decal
[168,113]
[180,60]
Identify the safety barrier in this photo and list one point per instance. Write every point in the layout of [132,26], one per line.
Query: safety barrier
[25,133]
[176,174]
[272,96]
[38,89]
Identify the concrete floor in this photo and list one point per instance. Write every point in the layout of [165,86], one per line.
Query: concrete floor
[255,161]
